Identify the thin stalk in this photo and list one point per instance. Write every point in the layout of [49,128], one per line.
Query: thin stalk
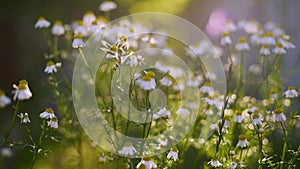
[40,143]
[13,121]
[284,147]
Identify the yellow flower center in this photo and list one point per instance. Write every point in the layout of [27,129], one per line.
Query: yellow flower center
[174,149]
[255,116]
[291,88]
[236,160]
[114,48]
[265,46]
[146,78]
[95,22]
[50,63]
[151,74]
[142,166]
[54,119]
[224,34]
[23,81]
[101,18]
[58,22]
[227,118]
[270,34]
[77,36]
[146,158]
[50,110]
[89,12]
[123,38]
[207,84]
[279,45]
[278,110]
[80,22]
[238,112]
[242,137]
[242,40]
[22,86]
[128,143]
[41,18]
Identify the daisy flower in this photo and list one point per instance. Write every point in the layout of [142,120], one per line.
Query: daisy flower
[173,154]
[230,26]
[78,42]
[58,28]
[286,42]
[4,100]
[47,114]
[209,100]
[51,67]
[238,118]
[225,40]
[265,50]
[255,69]
[107,6]
[251,26]
[231,98]
[22,91]
[147,163]
[207,89]
[183,112]
[242,44]
[103,157]
[267,39]
[235,163]
[112,50]
[257,118]
[279,49]
[128,149]
[214,163]
[42,23]
[96,25]
[192,105]
[53,123]
[227,122]
[273,95]
[278,115]
[242,141]
[147,82]
[162,113]
[79,28]
[24,118]
[192,83]
[166,81]
[291,92]
[253,108]
[6,152]
[88,18]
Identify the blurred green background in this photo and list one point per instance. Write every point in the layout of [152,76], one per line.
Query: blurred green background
[22,46]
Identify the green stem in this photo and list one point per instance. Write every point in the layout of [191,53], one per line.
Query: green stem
[284,148]
[222,123]
[241,75]
[107,16]
[55,46]
[12,124]
[42,135]
[28,131]
[84,59]
[260,148]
